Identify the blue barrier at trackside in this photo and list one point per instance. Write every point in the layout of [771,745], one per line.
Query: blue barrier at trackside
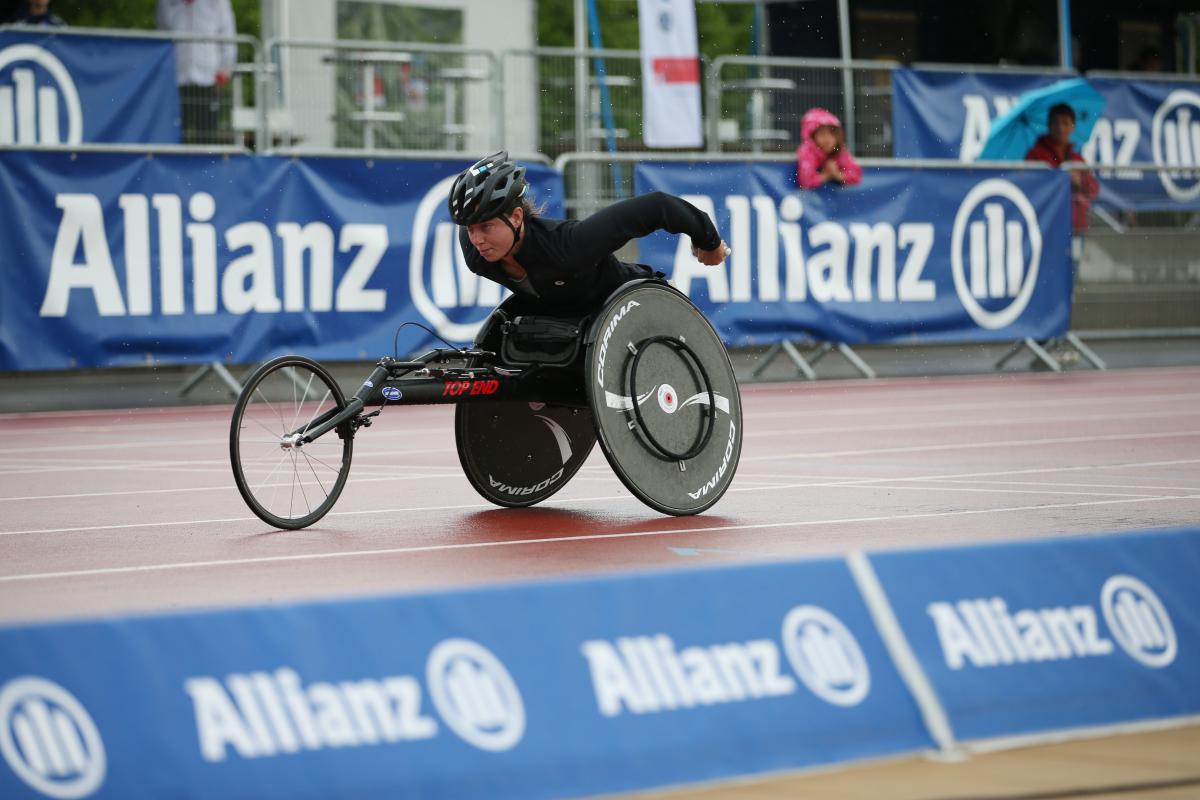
[600,685]
[1054,634]
[543,690]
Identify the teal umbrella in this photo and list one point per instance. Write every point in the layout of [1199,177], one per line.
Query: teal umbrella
[1014,133]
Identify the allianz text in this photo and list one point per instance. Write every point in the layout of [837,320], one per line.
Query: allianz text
[83,259]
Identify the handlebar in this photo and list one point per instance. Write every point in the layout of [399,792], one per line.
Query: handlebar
[440,354]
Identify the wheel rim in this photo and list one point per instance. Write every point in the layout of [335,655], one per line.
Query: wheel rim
[286,483]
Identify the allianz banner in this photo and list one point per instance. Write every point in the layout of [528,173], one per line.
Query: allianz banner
[1021,638]
[70,89]
[119,259]
[948,115]
[543,690]
[909,255]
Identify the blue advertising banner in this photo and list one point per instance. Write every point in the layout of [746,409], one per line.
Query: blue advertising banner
[122,259]
[948,115]
[73,89]
[1054,634]
[909,255]
[543,690]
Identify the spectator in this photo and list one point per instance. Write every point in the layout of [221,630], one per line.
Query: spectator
[37,12]
[202,68]
[1055,148]
[822,155]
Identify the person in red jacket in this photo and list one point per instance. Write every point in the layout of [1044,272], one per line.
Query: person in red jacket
[1055,148]
[822,155]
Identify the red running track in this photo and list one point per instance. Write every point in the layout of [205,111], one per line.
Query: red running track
[104,512]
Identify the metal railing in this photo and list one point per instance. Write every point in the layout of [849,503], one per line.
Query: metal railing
[755,103]
[594,180]
[380,96]
[208,114]
[576,100]
[1139,270]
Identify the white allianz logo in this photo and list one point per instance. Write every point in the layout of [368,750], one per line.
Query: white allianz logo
[265,714]
[438,277]
[984,632]
[49,740]
[994,257]
[1138,621]
[1175,142]
[29,112]
[651,674]
[475,695]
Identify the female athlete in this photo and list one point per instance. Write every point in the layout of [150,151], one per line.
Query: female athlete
[562,266]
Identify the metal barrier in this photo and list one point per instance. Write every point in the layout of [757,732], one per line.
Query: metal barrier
[209,115]
[380,96]
[1138,273]
[755,103]
[571,94]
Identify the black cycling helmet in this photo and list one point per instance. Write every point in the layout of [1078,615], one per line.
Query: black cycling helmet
[490,188]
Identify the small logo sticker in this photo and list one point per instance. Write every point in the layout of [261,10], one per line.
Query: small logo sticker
[1138,621]
[668,400]
[475,695]
[392,393]
[49,739]
[826,656]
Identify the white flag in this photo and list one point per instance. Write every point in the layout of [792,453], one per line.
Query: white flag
[670,74]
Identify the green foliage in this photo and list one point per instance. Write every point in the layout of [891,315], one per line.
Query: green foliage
[374,21]
[140,14]
[723,28]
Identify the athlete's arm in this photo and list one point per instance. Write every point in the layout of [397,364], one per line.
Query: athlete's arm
[609,230]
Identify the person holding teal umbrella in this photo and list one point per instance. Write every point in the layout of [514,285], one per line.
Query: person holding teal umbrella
[1070,109]
[1055,148]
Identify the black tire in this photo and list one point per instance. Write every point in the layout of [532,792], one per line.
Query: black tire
[282,396]
[518,454]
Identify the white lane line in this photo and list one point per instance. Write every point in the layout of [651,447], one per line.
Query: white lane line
[968,489]
[1006,405]
[1116,437]
[184,465]
[560,539]
[973,423]
[189,444]
[868,484]
[948,476]
[1084,485]
[192,443]
[767,480]
[228,487]
[174,464]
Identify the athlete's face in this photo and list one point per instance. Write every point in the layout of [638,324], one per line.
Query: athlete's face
[492,238]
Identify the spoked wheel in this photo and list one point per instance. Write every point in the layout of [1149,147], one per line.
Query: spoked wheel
[288,484]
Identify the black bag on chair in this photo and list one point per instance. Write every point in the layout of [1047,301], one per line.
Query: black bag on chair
[550,341]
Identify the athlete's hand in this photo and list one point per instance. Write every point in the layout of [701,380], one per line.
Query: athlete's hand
[712,257]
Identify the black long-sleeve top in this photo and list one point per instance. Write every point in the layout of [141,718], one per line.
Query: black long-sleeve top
[570,263]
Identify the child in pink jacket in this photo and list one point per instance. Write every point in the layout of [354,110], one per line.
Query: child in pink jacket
[822,155]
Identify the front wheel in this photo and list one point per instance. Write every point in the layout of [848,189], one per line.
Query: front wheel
[286,483]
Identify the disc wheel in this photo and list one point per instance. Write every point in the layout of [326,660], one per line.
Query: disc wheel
[665,399]
[285,483]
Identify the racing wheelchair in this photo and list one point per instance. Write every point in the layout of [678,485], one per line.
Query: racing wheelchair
[647,377]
